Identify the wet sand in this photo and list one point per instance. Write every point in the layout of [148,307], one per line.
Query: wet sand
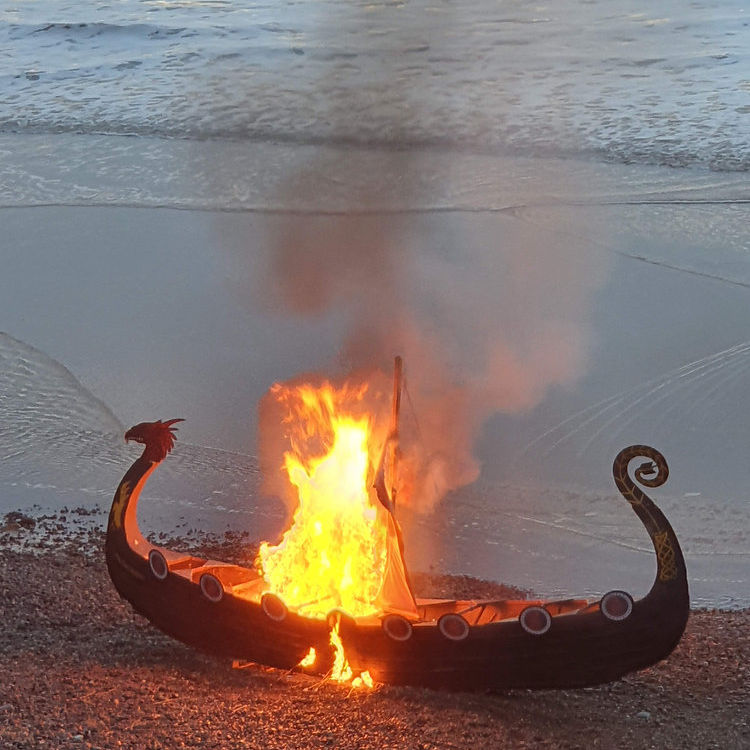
[165,325]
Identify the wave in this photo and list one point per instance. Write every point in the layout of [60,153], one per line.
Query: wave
[50,424]
[61,446]
[37,393]
[724,158]
[73,32]
[587,83]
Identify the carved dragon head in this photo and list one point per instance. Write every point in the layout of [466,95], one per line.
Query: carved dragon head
[158,437]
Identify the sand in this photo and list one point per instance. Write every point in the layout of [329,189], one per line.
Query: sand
[80,669]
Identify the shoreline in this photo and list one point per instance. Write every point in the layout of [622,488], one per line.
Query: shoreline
[82,670]
[717,581]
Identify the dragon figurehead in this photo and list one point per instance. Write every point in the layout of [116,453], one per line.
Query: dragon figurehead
[158,437]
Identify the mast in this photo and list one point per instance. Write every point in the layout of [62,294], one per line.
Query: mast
[396,593]
[398,372]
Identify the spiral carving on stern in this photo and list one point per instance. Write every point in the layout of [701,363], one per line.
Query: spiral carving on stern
[653,472]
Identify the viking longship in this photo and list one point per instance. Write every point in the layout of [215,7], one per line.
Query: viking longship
[230,611]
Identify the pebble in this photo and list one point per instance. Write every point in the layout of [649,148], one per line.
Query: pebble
[97,678]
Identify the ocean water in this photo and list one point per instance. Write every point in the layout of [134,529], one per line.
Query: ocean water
[620,127]
[622,82]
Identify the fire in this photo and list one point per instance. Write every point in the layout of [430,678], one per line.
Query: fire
[334,553]
[342,550]
[309,658]
[341,671]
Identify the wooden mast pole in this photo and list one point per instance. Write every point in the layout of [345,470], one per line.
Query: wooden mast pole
[398,372]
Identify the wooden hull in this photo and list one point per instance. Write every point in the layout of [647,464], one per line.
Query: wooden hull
[220,609]
[236,626]
[233,627]
[578,650]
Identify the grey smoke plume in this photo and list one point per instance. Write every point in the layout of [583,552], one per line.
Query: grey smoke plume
[488,311]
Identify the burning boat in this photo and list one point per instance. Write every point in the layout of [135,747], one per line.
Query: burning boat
[334,596]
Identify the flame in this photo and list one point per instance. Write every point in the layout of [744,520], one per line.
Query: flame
[334,554]
[309,659]
[342,552]
[364,680]
[341,670]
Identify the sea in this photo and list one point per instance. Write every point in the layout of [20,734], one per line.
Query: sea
[624,82]
[150,149]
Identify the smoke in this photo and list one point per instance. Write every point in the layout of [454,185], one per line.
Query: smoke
[489,312]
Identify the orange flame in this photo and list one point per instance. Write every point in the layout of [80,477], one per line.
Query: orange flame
[341,670]
[335,553]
